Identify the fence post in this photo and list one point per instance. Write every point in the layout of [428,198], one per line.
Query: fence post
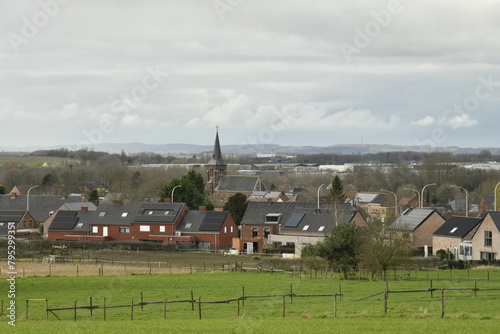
[132,310]
[91,306]
[291,294]
[442,303]
[432,294]
[192,301]
[450,274]
[142,300]
[238,308]
[340,291]
[243,295]
[335,305]
[165,309]
[199,307]
[1,308]
[74,314]
[283,306]
[27,308]
[102,269]
[190,268]
[50,270]
[77,271]
[475,287]
[104,308]
[386,296]
[46,310]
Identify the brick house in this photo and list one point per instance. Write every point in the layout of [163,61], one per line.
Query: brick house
[486,238]
[23,220]
[89,206]
[455,236]
[154,222]
[421,224]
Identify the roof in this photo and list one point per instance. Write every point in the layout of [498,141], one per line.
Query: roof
[217,159]
[495,216]
[410,219]
[256,212]
[202,221]
[10,216]
[78,206]
[457,227]
[457,204]
[114,214]
[365,197]
[317,222]
[41,206]
[240,183]
[164,213]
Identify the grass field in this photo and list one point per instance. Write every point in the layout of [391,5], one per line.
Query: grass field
[407,312]
[33,161]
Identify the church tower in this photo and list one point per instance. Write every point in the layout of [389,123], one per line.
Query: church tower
[216,167]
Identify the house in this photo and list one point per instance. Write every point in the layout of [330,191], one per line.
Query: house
[263,221]
[486,238]
[89,206]
[378,206]
[486,204]
[308,227]
[208,229]
[22,220]
[421,224]
[408,202]
[265,196]
[41,207]
[169,223]
[455,236]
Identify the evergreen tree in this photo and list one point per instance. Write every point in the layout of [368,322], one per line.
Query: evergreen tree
[236,205]
[337,194]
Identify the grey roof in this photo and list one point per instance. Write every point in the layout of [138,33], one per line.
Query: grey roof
[495,216]
[457,204]
[76,221]
[239,183]
[320,222]
[164,213]
[412,218]
[115,214]
[78,206]
[380,198]
[10,216]
[41,206]
[457,227]
[217,159]
[202,221]
[256,211]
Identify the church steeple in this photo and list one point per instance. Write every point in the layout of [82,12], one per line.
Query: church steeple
[216,167]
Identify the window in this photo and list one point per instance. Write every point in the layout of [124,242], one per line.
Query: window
[488,256]
[166,213]
[162,228]
[232,229]
[454,229]
[488,236]
[124,214]
[255,232]
[225,229]
[150,212]
[79,225]
[188,225]
[102,214]
[305,228]
[144,228]
[124,230]
[321,228]
[95,229]
[273,217]
[267,231]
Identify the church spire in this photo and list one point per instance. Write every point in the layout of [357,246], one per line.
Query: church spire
[217,159]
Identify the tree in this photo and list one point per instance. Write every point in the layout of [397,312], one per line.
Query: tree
[191,190]
[382,247]
[337,194]
[236,205]
[94,197]
[340,248]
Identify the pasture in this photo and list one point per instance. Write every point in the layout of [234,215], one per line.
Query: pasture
[465,311]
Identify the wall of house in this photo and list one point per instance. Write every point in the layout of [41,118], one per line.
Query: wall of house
[246,230]
[27,222]
[422,235]
[478,239]
[446,243]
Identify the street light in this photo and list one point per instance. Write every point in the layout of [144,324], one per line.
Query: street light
[422,195]
[395,203]
[466,200]
[319,188]
[495,204]
[28,197]
[418,194]
[172,197]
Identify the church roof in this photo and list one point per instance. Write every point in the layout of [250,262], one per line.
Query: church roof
[217,159]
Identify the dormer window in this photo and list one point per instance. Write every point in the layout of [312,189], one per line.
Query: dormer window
[273,218]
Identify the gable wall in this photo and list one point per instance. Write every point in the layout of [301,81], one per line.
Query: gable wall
[478,239]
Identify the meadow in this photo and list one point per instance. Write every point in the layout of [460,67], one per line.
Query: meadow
[416,312]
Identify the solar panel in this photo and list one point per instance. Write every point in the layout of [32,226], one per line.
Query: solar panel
[295,219]
[213,221]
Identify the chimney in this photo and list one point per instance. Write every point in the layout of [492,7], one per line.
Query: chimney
[84,208]
[202,208]
[117,201]
[167,200]
[269,201]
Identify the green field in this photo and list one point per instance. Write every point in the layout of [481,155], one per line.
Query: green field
[407,312]
[33,161]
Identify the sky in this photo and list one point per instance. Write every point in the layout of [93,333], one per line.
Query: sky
[289,72]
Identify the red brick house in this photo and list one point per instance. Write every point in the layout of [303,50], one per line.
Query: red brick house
[23,220]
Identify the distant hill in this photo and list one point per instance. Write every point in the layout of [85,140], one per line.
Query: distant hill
[252,149]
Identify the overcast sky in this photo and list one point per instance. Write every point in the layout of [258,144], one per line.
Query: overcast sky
[289,72]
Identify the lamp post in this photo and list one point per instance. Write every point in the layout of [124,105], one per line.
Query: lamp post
[28,197]
[418,194]
[172,197]
[319,188]
[466,200]
[422,194]
[495,204]
[395,203]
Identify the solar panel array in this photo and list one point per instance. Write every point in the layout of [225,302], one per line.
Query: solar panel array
[64,220]
[295,219]
[213,221]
